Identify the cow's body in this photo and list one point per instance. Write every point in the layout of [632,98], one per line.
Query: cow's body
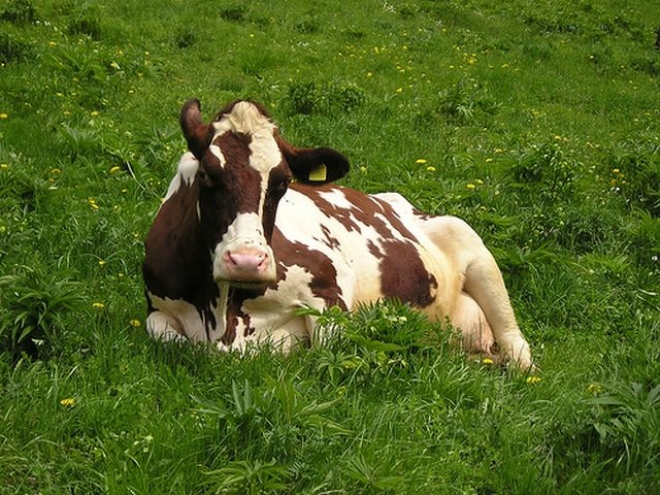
[326,246]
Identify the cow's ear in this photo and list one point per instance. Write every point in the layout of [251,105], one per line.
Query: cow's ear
[197,134]
[314,165]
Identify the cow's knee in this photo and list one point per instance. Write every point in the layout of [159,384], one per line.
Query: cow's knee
[161,326]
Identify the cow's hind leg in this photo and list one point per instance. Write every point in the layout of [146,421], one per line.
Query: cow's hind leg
[476,334]
[482,282]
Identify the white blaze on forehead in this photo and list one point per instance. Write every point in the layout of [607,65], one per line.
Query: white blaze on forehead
[245,118]
[265,154]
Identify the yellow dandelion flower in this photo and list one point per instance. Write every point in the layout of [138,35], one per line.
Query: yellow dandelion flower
[430,168]
[98,305]
[595,389]
[115,169]
[3,116]
[92,202]
[420,161]
[94,113]
[68,402]
[616,171]
[471,186]
[102,262]
[487,361]
[135,323]
[489,160]
[533,379]
[399,90]
[4,166]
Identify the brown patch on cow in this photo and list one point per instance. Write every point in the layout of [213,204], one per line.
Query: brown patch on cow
[330,210]
[403,274]
[235,314]
[330,241]
[324,274]
[278,183]
[177,265]
[364,210]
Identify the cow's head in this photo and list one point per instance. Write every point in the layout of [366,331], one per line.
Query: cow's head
[244,170]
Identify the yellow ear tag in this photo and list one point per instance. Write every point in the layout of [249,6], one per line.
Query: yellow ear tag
[319,174]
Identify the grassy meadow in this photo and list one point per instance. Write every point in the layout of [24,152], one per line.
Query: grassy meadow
[538,122]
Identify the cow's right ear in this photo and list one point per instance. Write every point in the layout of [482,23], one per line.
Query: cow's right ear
[314,165]
[197,134]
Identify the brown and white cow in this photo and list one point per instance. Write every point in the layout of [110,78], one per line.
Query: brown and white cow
[237,247]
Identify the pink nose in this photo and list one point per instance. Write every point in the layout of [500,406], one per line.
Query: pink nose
[247,264]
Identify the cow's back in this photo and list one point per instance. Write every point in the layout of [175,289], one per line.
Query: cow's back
[359,248]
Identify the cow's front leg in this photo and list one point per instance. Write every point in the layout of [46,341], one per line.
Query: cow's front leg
[164,327]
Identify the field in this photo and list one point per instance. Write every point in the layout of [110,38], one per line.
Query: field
[537,122]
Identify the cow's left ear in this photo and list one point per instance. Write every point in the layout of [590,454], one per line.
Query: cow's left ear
[314,165]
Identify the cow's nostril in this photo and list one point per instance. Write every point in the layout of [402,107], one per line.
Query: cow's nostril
[250,260]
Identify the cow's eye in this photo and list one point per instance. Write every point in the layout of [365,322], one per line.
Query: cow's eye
[204,178]
[282,186]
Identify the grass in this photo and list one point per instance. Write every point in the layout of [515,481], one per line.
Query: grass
[534,121]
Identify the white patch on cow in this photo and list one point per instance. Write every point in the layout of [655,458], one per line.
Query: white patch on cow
[185,174]
[244,118]
[217,152]
[337,198]
[265,155]
[358,274]
[273,314]
[177,315]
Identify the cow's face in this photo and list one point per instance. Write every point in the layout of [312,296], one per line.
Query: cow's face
[244,170]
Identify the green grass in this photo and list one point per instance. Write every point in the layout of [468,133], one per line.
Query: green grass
[537,122]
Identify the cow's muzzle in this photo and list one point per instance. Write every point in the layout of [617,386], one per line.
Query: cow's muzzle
[247,266]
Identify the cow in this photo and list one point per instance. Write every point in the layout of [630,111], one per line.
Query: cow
[252,229]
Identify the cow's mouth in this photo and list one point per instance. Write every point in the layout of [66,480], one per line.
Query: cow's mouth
[239,284]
